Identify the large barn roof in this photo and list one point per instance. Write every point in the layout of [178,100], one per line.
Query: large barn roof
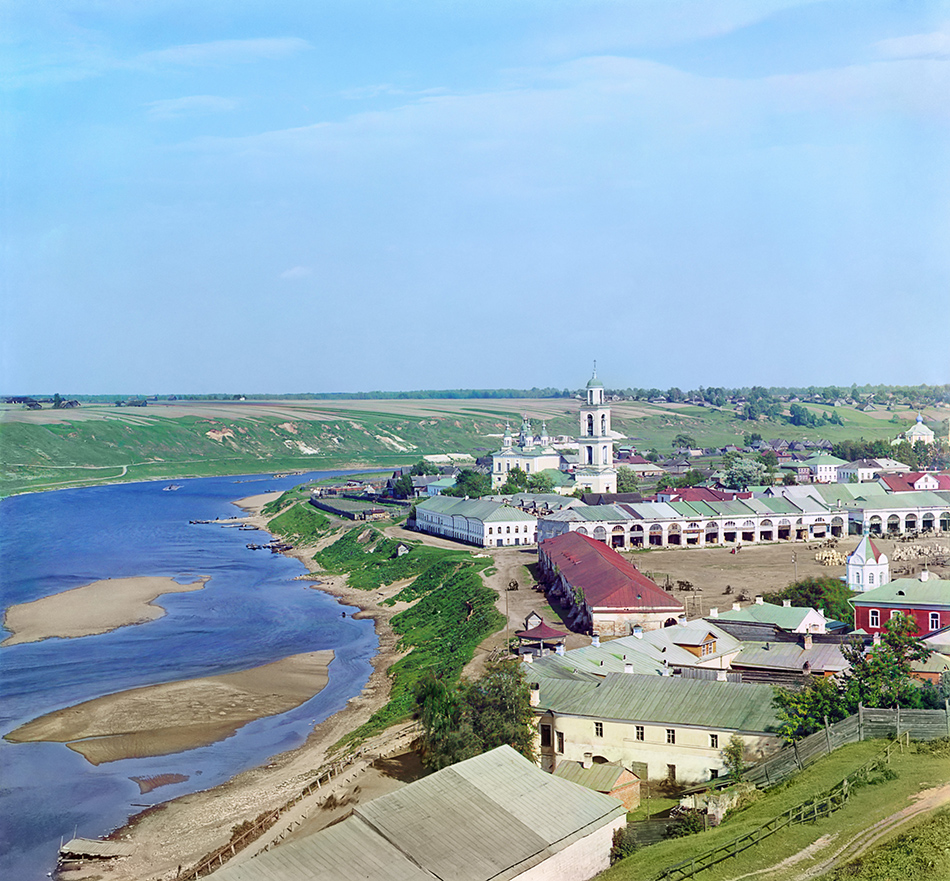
[490,817]
[607,580]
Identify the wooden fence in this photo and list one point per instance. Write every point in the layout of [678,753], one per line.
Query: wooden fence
[806,812]
[866,724]
[219,857]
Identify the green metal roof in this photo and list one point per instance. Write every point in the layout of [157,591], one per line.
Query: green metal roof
[474,509]
[785,617]
[666,700]
[907,592]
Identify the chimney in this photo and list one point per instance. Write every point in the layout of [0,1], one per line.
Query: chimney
[736,607]
[759,601]
[638,631]
[682,620]
[588,760]
[559,648]
[534,694]
[822,613]
[806,642]
[628,668]
[595,640]
[721,675]
[714,612]
[786,604]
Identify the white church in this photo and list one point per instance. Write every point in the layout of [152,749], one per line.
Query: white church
[868,568]
[595,470]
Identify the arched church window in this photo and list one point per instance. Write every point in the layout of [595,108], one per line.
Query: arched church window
[590,425]
[590,455]
[603,424]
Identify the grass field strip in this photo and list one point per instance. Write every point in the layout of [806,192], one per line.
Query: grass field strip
[821,806]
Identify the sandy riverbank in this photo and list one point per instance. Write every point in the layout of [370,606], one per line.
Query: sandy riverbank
[92,608]
[158,720]
[182,831]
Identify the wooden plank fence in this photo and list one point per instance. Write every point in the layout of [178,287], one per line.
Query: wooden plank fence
[806,812]
[866,724]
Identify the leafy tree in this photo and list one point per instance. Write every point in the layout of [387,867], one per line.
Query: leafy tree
[733,754]
[881,677]
[823,592]
[465,720]
[803,711]
[684,441]
[627,481]
[693,477]
[402,487]
[422,468]
[57,401]
[540,483]
[516,481]
[752,438]
[743,473]
[469,483]
[789,479]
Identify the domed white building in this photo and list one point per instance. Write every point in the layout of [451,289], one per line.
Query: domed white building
[917,432]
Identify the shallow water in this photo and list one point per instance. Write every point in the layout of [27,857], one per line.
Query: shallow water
[249,613]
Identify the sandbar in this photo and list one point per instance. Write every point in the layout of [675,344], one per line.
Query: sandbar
[92,608]
[158,720]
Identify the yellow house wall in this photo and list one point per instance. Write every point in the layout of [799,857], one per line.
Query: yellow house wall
[691,754]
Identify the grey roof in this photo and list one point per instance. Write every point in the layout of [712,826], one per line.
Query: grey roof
[628,697]
[599,777]
[474,821]
[791,656]
[651,653]
[346,850]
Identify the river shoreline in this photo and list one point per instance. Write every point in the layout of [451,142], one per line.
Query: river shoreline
[181,831]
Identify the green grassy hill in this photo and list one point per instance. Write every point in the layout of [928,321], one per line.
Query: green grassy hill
[98,443]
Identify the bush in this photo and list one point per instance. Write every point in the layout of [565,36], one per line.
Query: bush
[624,844]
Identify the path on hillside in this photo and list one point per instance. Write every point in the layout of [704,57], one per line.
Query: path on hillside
[924,802]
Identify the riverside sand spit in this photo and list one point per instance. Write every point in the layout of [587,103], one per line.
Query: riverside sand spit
[93,608]
[172,717]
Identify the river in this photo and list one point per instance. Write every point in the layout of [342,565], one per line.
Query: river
[250,612]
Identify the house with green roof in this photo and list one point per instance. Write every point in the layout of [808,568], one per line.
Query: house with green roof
[476,521]
[658,727]
[925,598]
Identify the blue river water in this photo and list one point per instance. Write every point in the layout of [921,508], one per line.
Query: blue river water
[250,612]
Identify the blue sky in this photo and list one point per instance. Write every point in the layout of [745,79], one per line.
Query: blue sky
[347,195]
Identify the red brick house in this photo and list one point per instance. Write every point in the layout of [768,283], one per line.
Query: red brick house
[925,598]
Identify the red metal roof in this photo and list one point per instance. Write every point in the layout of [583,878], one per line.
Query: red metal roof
[542,631]
[607,579]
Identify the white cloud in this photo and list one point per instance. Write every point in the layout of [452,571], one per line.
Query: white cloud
[192,105]
[935,45]
[297,272]
[225,51]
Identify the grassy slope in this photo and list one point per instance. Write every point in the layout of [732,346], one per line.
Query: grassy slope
[102,445]
[452,610]
[868,805]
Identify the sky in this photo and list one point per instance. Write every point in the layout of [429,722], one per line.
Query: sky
[353,195]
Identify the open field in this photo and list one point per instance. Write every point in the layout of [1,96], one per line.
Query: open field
[100,443]
[756,569]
